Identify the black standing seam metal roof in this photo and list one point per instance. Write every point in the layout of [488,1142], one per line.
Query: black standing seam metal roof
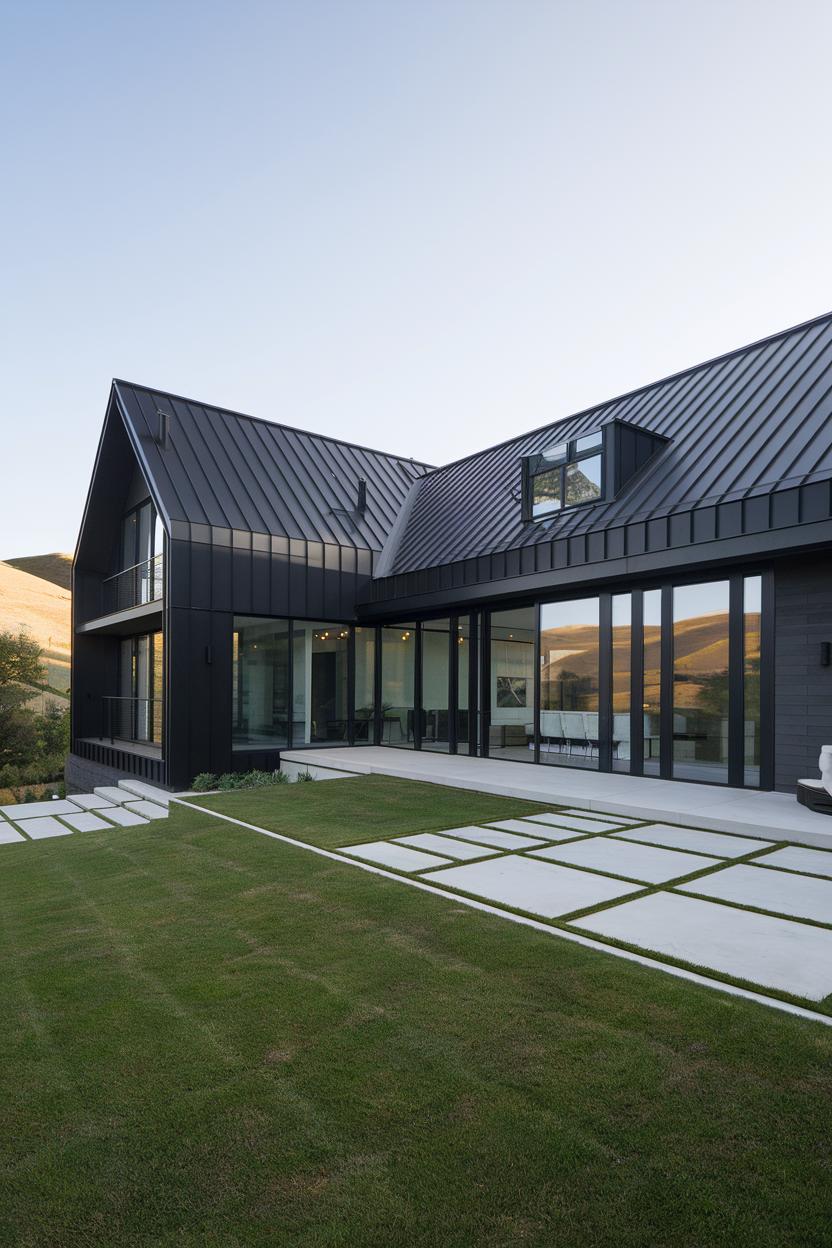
[743,424]
[233,471]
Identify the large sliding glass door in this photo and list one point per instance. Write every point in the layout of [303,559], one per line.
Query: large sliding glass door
[436,685]
[569,688]
[700,682]
[512,656]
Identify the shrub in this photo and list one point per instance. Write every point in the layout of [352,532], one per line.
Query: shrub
[303,776]
[240,780]
[204,781]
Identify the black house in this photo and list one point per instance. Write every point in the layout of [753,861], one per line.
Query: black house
[643,587]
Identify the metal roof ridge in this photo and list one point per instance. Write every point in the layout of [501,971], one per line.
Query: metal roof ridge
[275,424]
[628,394]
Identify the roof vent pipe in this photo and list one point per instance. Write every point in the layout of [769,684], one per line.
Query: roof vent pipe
[164,428]
[361,503]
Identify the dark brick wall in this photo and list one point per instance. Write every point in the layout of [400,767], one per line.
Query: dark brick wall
[802,688]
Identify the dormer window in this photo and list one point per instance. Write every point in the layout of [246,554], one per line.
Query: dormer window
[565,474]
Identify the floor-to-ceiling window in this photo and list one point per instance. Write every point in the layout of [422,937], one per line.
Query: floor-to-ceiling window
[436,673]
[466,729]
[319,682]
[260,683]
[569,689]
[752,614]
[652,690]
[136,714]
[622,630]
[511,677]
[700,682]
[398,682]
[365,654]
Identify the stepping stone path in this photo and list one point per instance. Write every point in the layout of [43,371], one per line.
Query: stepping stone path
[86,821]
[131,804]
[45,826]
[563,862]
[539,887]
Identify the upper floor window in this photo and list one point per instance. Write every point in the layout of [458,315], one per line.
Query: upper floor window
[565,474]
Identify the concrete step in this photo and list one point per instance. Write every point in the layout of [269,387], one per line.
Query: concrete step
[123,817]
[148,810]
[89,801]
[141,789]
[115,796]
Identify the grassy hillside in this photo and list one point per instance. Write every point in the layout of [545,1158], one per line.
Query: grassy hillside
[55,568]
[42,610]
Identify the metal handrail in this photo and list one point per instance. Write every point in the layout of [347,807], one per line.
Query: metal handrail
[132,719]
[134,586]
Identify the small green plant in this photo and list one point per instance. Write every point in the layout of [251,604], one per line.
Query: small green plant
[204,781]
[237,780]
[303,776]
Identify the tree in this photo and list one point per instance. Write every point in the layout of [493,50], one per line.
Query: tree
[20,671]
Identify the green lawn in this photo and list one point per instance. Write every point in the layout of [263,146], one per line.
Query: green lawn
[209,1038]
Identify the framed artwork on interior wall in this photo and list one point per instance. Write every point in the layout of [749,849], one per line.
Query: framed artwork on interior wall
[512,691]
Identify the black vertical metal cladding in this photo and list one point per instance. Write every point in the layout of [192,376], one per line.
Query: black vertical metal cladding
[736,682]
[605,683]
[637,685]
[666,725]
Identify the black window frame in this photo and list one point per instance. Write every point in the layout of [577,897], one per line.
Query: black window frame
[535,466]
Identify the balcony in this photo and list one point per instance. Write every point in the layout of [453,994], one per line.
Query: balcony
[134,587]
[119,603]
[132,724]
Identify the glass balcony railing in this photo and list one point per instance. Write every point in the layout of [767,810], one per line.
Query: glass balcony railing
[134,586]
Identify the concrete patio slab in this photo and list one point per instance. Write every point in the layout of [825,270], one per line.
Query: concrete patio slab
[8,834]
[796,858]
[38,829]
[538,887]
[86,821]
[579,823]
[800,896]
[37,810]
[775,816]
[694,839]
[124,818]
[634,862]
[89,801]
[390,854]
[496,837]
[791,957]
[445,845]
[525,828]
[150,810]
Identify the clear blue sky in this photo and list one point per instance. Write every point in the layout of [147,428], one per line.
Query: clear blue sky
[422,226]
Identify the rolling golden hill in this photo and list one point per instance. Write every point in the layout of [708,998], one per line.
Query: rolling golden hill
[42,609]
[55,568]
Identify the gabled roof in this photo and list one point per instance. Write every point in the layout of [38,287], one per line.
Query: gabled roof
[232,471]
[747,423]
